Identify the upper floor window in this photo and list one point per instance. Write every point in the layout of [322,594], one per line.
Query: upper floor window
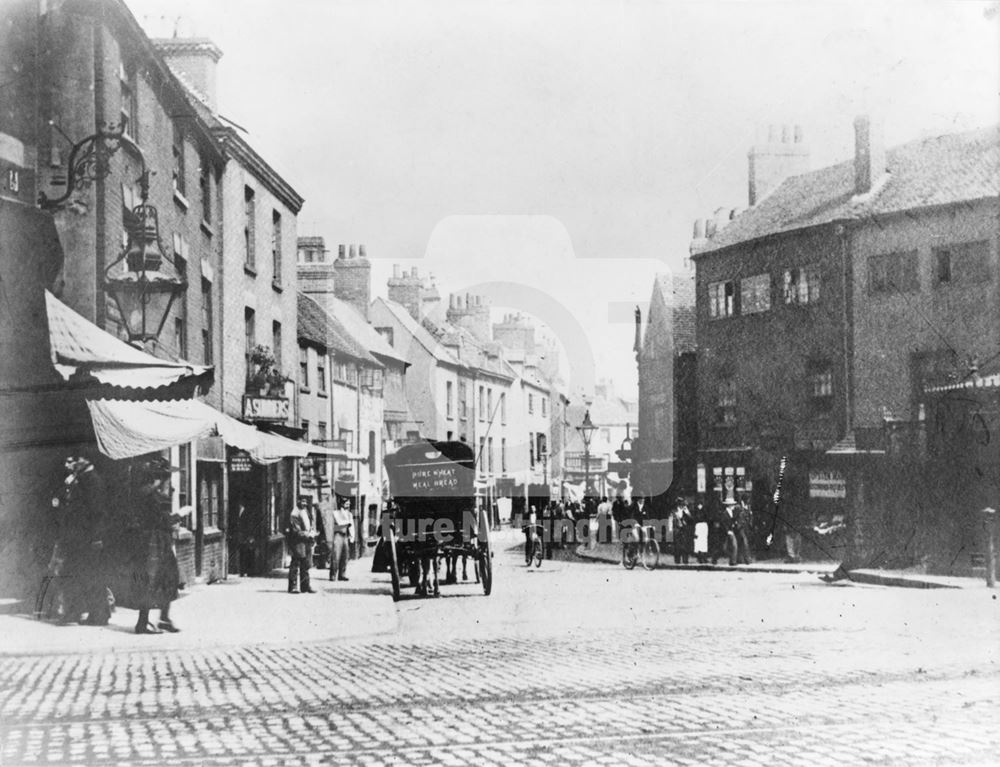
[276,346]
[755,294]
[129,100]
[801,285]
[489,404]
[482,404]
[449,395]
[249,226]
[178,167]
[725,403]
[819,375]
[963,264]
[893,273]
[463,404]
[531,403]
[721,299]
[303,367]
[207,314]
[205,185]
[321,372]
[503,407]
[250,331]
[276,246]
[545,406]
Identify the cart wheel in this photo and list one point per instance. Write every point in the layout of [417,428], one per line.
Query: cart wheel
[537,553]
[394,565]
[486,569]
[650,555]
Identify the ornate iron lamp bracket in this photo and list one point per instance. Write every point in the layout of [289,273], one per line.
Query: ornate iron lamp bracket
[88,162]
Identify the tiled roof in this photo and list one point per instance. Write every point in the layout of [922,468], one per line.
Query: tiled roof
[936,171]
[320,327]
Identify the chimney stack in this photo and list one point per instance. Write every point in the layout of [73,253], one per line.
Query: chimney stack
[196,58]
[783,155]
[869,154]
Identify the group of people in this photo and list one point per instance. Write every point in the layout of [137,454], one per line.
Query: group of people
[309,523]
[713,532]
[113,551]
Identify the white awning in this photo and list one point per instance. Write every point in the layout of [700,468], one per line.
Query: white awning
[127,428]
[81,349]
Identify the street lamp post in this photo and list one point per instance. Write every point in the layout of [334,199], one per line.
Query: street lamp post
[586,430]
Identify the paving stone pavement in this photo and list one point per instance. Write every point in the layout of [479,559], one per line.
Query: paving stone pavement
[703,688]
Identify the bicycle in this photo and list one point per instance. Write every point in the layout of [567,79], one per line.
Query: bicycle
[638,544]
[533,549]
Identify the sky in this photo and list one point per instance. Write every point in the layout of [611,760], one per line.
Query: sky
[567,146]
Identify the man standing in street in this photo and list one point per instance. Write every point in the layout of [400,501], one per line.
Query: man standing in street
[343,535]
[302,538]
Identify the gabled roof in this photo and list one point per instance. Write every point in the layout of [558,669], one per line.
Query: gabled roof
[430,344]
[317,326]
[937,171]
[358,328]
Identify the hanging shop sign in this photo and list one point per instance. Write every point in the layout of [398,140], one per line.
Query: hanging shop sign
[265,408]
[239,462]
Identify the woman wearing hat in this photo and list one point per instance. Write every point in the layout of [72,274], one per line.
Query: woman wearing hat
[153,574]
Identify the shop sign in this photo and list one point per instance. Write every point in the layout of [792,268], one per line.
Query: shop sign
[827,484]
[239,462]
[265,408]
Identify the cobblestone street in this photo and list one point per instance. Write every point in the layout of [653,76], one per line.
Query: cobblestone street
[570,663]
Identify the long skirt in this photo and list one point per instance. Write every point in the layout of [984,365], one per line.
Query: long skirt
[147,576]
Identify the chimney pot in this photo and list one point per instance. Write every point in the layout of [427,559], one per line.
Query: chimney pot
[413,272]
[709,227]
[361,251]
[350,252]
[798,134]
[340,251]
[786,134]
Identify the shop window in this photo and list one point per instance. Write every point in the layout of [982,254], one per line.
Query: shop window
[893,273]
[321,372]
[964,264]
[819,374]
[801,285]
[721,299]
[755,294]
[184,475]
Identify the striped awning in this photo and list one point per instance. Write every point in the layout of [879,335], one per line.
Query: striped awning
[81,351]
[127,428]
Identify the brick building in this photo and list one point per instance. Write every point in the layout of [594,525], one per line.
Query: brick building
[823,311]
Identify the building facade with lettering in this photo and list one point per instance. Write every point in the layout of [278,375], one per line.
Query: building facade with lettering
[257,304]
[86,67]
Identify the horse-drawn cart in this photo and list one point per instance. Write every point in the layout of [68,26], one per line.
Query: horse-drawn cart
[434,516]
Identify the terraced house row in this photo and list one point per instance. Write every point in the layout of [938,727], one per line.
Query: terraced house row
[159,297]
